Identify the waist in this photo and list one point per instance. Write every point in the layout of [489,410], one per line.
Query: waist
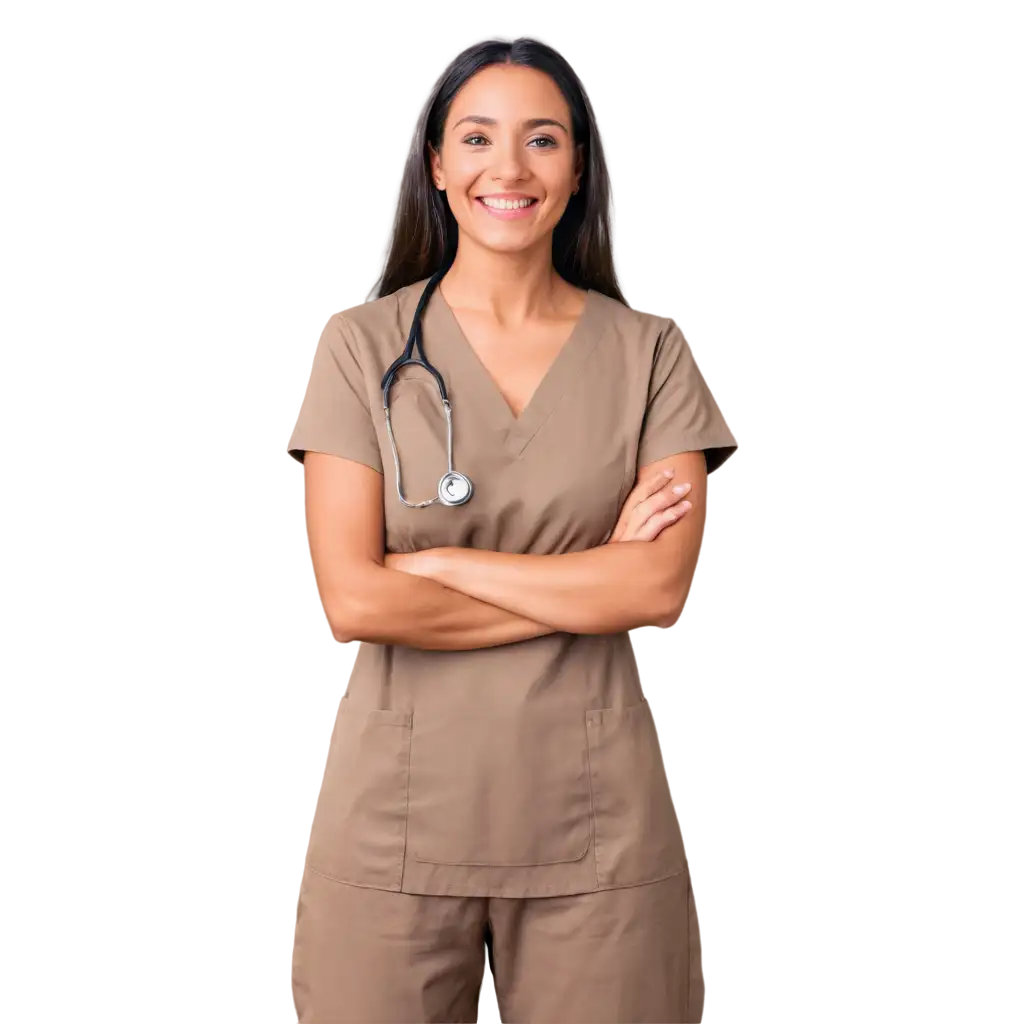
[559,670]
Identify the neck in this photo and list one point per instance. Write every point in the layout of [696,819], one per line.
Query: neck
[511,287]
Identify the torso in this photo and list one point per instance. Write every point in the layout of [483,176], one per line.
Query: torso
[531,768]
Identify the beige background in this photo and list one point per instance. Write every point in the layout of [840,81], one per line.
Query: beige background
[826,200]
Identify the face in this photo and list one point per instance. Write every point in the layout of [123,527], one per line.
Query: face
[508,134]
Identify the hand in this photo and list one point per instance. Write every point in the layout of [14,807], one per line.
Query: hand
[416,563]
[650,507]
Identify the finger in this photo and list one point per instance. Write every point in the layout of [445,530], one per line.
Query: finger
[638,501]
[664,498]
[649,528]
[662,519]
[649,495]
[650,485]
[634,520]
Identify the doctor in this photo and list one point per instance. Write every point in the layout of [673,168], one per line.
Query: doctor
[494,783]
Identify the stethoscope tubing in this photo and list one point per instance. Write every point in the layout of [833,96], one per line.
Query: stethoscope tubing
[454,488]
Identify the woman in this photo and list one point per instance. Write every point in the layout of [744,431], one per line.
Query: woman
[494,780]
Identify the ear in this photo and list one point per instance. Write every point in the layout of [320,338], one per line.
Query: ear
[435,167]
[580,162]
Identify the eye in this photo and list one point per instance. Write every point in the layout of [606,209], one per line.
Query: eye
[544,138]
[469,138]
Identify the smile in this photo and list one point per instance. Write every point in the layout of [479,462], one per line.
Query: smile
[507,209]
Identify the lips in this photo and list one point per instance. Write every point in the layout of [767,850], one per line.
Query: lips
[508,213]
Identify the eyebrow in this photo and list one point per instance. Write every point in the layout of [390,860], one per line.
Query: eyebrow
[533,122]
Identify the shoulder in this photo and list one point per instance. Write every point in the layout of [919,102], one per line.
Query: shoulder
[641,327]
[373,329]
[375,315]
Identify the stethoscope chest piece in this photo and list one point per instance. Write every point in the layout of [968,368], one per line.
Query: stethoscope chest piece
[454,488]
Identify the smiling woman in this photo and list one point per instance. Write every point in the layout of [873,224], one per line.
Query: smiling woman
[495,781]
[500,102]
[481,153]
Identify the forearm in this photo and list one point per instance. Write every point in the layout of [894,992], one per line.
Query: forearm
[612,588]
[606,589]
[395,607]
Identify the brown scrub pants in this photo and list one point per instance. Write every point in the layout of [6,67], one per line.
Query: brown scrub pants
[619,955]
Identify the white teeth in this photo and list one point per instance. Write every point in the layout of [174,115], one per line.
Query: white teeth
[506,204]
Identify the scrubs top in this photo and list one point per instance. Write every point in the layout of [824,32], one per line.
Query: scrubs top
[530,768]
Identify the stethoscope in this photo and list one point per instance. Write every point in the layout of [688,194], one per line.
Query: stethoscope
[453,488]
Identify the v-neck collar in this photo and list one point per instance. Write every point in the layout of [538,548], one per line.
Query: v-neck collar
[439,321]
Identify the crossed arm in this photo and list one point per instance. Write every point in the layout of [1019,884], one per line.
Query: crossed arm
[460,598]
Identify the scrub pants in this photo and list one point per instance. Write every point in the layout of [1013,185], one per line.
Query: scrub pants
[617,955]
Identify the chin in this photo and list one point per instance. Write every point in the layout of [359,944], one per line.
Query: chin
[501,241]
[506,245]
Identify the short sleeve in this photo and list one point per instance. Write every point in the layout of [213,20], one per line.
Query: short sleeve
[335,414]
[682,414]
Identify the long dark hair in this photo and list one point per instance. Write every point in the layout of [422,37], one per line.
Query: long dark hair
[425,234]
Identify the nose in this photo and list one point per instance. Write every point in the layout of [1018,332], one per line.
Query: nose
[508,161]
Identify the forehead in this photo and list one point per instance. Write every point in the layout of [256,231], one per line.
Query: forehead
[509,93]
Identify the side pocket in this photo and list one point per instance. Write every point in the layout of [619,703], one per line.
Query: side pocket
[358,832]
[636,831]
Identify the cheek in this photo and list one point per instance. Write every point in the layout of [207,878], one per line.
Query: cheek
[462,210]
[555,172]
[459,193]
[557,192]
[461,175]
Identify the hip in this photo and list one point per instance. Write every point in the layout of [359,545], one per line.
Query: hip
[539,799]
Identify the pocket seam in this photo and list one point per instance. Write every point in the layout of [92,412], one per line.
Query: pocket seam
[626,716]
[591,717]
[377,717]
[575,858]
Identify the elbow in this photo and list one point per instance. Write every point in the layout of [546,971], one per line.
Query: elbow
[655,599]
[669,602]
[353,603]
[652,599]
[346,618]
[674,570]
[343,622]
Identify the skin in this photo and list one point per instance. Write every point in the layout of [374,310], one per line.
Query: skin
[366,596]
[608,589]
[514,309]
[516,312]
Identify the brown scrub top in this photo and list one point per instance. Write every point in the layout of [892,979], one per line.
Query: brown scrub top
[531,768]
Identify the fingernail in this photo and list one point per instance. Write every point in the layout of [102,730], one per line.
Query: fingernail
[686,504]
[680,488]
[669,472]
